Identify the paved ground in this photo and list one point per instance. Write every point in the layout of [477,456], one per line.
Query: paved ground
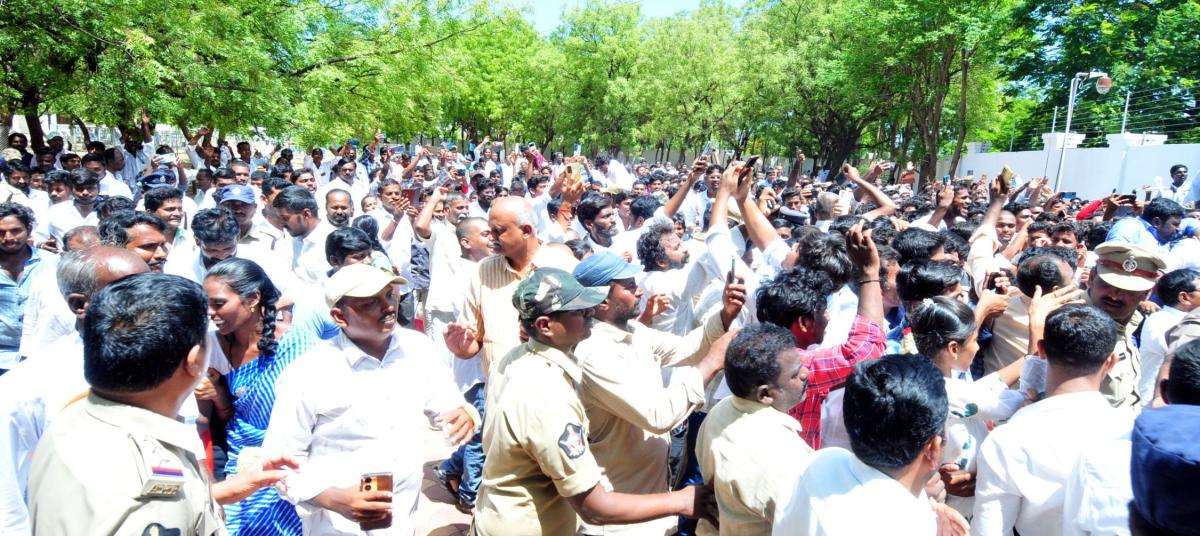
[436,514]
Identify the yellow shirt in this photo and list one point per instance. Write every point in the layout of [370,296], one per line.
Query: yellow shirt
[536,446]
[753,456]
[629,410]
[1010,335]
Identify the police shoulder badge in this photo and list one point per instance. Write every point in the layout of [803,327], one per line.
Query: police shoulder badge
[571,441]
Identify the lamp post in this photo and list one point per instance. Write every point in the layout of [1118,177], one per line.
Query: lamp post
[1103,84]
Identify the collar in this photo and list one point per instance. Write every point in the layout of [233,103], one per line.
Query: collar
[864,474]
[749,407]
[566,361]
[131,418]
[355,355]
[615,333]
[1150,229]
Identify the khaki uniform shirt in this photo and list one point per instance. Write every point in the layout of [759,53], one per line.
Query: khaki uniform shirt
[1121,383]
[1010,335]
[108,468]
[629,410]
[489,308]
[753,456]
[535,442]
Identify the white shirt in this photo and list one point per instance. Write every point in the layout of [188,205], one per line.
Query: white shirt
[1154,348]
[358,191]
[136,163]
[840,495]
[62,218]
[189,263]
[1025,463]
[842,307]
[110,185]
[308,255]
[346,414]
[47,315]
[1096,499]
[32,395]
[447,277]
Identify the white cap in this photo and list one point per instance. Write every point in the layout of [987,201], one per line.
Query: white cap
[358,281]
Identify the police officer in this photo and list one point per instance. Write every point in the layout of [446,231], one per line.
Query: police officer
[120,461]
[540,475]
[1123,277]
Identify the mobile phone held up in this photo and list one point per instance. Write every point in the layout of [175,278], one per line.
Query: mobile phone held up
[376,482]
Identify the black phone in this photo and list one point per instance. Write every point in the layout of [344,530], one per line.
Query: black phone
[748,168]
[730,277]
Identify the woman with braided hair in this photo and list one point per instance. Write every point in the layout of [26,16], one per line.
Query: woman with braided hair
[241,305]
[945,331]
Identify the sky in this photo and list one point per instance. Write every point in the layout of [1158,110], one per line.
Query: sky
[548,13]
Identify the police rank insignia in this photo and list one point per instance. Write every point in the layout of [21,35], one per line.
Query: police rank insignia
[571,441]
[165,481]
[1130,264]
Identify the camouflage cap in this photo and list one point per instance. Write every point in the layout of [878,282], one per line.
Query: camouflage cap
[551,290]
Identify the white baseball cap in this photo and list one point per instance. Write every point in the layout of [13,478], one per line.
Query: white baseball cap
[358,281]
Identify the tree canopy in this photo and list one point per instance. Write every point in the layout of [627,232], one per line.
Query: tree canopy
[840,79]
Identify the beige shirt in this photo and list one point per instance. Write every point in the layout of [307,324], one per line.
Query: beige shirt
[1121,384]
[630,412]
[1010,335]
[109,468]
[489,307]
[753,455]
[535,442]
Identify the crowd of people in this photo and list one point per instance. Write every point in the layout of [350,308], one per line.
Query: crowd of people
[207,340]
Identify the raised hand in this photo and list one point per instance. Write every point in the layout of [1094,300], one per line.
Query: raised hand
[460,338]
[733,299]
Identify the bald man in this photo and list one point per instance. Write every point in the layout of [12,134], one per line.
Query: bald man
[33,393]
[488,320]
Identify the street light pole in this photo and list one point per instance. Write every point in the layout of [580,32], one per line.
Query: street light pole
[1102,87]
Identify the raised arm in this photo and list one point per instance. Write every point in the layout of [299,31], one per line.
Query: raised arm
[676,201]
[886,207]
[423,224]
[797,165]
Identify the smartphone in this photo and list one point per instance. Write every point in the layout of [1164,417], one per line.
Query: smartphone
[730,277]
[747,168]
[1006,174]
[1067,196]
[708,149]
[413,195]
[578,150]
[375,482]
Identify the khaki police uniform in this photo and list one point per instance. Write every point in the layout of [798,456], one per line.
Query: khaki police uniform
[1131,268]
[109,468]
[535,441]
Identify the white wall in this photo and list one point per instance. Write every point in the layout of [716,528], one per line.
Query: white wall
[1090,172]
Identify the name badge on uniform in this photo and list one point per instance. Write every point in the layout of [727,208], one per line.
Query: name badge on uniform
[165,480]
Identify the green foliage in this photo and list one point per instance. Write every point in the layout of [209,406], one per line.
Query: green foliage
[841,79]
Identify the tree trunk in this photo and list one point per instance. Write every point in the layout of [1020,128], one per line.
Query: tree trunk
[962,116]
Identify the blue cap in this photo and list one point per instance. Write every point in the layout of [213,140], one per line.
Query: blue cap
[158,179]
[1165,467]
[238,192]
[602,268]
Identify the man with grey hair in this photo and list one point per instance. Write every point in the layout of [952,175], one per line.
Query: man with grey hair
[33,393]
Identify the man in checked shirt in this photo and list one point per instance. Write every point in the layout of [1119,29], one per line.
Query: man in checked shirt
[795,299]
